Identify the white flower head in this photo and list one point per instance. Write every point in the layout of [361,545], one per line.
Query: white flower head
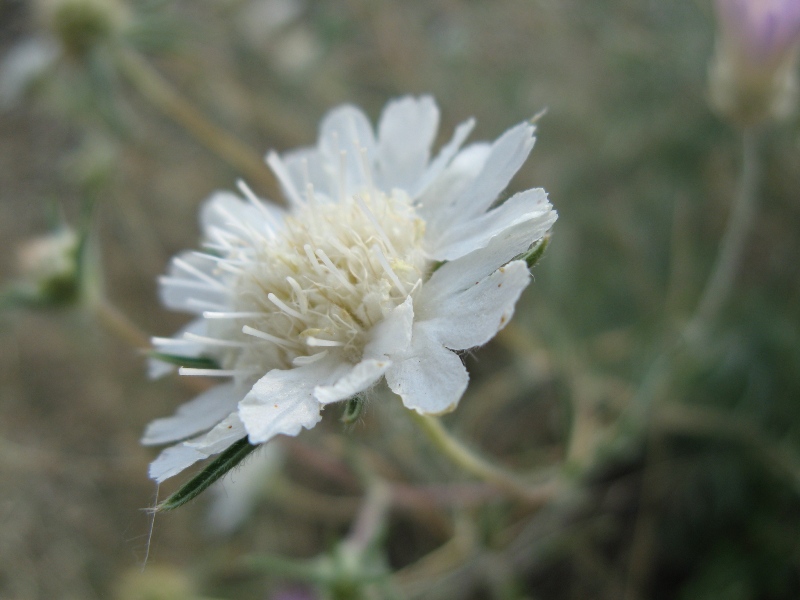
[386,263]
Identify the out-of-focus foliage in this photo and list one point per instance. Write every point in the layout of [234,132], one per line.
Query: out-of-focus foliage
[692,495]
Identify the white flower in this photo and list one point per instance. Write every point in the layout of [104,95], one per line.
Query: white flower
[385,265]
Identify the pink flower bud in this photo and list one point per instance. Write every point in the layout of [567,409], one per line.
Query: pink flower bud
[753,72]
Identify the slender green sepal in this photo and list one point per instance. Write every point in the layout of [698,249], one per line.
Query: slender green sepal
[535,252]
[226,461]
[352,410]
[195,362]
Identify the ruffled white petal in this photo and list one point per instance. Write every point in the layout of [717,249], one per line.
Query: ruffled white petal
[197,415]
[462,238]
[173,460]
[468,195]
[465,318]
[406,131]
[468,270]
[345,134]
[355,380]
[431,379]
[221,436]
[505,158]
[176,458]
[392,336]
[443,159]
[436,202]
[284,402]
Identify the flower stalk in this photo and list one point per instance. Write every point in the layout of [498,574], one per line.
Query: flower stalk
[478,466]
[166,99]
[720,283]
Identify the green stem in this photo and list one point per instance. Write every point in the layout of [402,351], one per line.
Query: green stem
[720,283]
[118,323]
[166,98]
[478,466]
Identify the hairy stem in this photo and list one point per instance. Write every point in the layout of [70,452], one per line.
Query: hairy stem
[480,467]
[166,98]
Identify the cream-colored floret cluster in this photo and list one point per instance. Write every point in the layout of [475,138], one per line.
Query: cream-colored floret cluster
[323,279]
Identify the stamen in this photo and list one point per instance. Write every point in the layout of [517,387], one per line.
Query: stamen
[334,270]
[362,155]
[265,336]
[162,341]
[277,166]
[368,213]
[191,269]
[299,361]
[219,259]
[193,337]
[231,315]
[342,179]
[209,372]
[196,303]
[255,201]
[300,293]
[312,341]
[188,284]
[245,228]
[283,306]
[312,257]
[389,271]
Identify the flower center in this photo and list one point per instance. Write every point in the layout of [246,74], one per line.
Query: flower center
[325,279]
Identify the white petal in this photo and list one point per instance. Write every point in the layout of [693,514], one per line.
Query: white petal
[356,379]
[392,335]
[346,129]
[305,166]
[220,438]
[444,157]
[468,270]
[197,415]
[432,379]
[504,159]
[435,204]
[462,238]
[284,402]
[406,131]
[173,460]
[470,317]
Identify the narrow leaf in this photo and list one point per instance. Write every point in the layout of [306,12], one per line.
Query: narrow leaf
[196,362]
[226,461]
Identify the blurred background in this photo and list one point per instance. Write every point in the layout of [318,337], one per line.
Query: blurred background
[683,473]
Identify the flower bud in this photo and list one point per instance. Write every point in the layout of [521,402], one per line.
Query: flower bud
[81,24]
[752,75]
[50,267]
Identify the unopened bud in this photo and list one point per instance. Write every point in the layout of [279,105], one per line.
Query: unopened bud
[50,267]
[82,24]
[752,75]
